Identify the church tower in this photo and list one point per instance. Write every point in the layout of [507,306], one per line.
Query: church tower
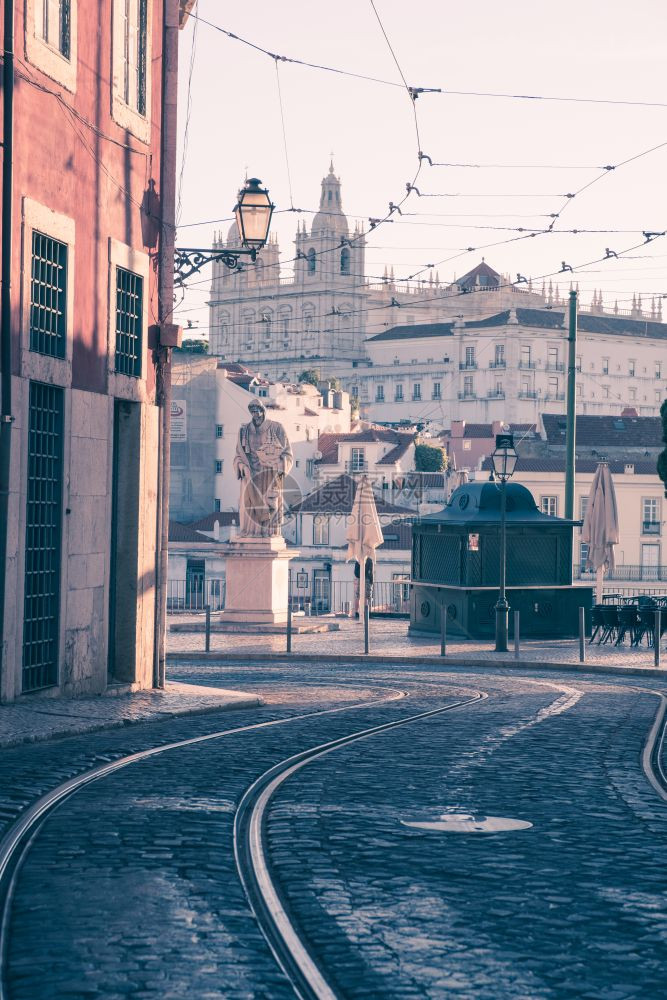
[329,252]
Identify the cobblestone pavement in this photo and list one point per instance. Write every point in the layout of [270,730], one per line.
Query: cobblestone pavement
[42,718]
[130,887]
[389,637]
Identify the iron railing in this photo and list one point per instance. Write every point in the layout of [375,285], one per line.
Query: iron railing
[624,573]
[194,594]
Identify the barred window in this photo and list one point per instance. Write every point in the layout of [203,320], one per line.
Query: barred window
[129,317]
[48,296]
[41,617]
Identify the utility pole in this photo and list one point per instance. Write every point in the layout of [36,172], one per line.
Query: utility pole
[6,417]
[571,426]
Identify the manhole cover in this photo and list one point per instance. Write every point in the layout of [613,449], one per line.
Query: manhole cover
[469,823]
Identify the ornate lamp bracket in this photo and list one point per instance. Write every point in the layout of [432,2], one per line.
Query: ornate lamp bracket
[189,260]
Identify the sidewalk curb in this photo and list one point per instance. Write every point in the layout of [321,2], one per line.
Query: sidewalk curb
[26,739]
[439,661]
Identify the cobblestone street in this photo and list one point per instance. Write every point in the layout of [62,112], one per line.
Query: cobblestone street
[131,885]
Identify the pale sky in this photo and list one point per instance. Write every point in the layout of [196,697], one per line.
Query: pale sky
[605,50]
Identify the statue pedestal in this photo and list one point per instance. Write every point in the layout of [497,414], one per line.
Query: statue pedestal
[257,580]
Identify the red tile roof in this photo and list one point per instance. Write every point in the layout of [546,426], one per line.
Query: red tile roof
[328,443]
[484,431]
[184,533]
[583,465]
[225,518]
[336,496]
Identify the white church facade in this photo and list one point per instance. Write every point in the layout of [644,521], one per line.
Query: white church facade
[479,349]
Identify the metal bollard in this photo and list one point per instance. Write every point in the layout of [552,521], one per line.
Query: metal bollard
[656,638]
[516,635]
[366,628]
[289,624]
[443,630]
[582,635]
[208,628]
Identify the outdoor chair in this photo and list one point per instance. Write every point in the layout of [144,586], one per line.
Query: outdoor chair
[609,624]
[628,622]
[596,621]
[647,624]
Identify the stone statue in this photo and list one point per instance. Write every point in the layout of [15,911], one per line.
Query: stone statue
[263,459]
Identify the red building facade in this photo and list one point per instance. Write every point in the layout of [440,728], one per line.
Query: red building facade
[92,149]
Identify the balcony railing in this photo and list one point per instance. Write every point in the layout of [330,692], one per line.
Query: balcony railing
[467,395]
[527,364]
[528,394]
[650,527]
[554,395]
[498,394]
[467,366]
[555,366]
[498,364]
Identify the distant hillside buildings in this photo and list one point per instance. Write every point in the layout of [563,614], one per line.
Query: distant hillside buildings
[479,349]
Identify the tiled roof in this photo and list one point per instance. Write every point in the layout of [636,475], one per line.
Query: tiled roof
[336,496]
[184,533]
[225,518]
[397,536]
[425,480]
[606,431]
[328,443]
[414,332]
[551,319]
[486,430]
[398,451]
[583,465]
[480,275]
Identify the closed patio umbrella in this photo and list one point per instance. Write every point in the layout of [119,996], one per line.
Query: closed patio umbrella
[364,533]
[600,527]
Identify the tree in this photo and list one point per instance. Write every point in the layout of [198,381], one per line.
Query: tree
[662,457]
[429,458]
[194,346]
[311,376]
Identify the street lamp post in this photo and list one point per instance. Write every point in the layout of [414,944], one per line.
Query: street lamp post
[252,212]
[504,461]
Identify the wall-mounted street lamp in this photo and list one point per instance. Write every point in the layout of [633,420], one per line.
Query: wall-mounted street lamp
[504,460]
[253,212]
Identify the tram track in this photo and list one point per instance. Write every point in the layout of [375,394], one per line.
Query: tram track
[288,947]
[290,950]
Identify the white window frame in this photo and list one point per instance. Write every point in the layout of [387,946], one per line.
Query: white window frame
[123,113]
[46,57]
[357,459]
[320,529]
[379,393]
[549,504]
[437,391]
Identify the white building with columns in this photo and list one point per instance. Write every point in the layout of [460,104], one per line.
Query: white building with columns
[479,349]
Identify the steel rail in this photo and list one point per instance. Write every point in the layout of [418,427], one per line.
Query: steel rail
[653,748]
[289,949]
[16,843]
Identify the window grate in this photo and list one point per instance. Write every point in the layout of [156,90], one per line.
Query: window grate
[42,547]
[48,296]
[129,313]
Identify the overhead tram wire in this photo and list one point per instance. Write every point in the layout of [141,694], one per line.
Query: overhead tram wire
[188,112]
[443,91]
[449,296]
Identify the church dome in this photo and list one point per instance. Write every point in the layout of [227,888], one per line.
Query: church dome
[233,234]
[330,218]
